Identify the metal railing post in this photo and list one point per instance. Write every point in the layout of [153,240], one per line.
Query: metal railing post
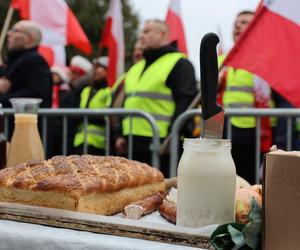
[85,126]
[155,146]
[289,133]
[257,149]
[258,113]
[107,136]
[64,135]
[67,112]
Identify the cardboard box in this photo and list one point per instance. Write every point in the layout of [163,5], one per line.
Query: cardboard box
[282,201]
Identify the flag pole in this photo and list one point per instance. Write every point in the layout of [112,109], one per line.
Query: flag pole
[3,34]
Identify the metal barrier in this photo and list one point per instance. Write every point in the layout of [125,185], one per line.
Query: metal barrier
[86,113]
[258,113]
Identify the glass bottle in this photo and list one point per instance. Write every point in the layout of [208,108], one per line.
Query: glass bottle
[26,143]
[2,141]
[206,183]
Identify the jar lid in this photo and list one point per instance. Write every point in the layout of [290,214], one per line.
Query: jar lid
[209,143]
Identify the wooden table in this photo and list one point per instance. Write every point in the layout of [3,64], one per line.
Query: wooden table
[96,232]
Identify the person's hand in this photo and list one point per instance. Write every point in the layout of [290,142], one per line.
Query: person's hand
[121,145]
[4,85]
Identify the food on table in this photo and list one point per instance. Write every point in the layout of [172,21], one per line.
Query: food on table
[94,184]
[241,182]
[143,207]
[257,188]
[168,210]
[243,203]
[170,183]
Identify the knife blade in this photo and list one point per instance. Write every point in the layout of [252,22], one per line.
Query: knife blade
[212,113]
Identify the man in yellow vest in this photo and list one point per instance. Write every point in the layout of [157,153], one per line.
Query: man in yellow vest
[95,96]
[162,84]
[242,89]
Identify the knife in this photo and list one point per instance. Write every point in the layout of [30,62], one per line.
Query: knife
[212,113]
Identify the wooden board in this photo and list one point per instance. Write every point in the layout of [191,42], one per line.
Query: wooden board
[103,224]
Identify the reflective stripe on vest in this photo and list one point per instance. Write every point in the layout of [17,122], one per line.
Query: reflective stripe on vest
[239,94]
[95,134]
[152,95]
[240,105]
[93,131]
[147,91]
[240,88]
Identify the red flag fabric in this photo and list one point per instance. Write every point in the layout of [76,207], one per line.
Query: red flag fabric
[22,6]
[270,47]
[175,24]
[76,35]
[58,23]
[48,54]
[113,40]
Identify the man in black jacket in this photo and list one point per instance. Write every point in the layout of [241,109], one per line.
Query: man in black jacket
[163,84]
[26,73]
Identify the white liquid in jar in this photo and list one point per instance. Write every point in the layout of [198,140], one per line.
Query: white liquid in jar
[206,184]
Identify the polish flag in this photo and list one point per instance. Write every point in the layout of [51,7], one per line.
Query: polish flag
[270,47]
[221,43]
[48,54]
[175,24]
[59,27]
[113,40]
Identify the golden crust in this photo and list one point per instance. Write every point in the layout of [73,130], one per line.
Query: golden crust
[80,175]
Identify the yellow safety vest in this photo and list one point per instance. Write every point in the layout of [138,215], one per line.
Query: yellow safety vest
[147,91]
[95,133]
[239,94]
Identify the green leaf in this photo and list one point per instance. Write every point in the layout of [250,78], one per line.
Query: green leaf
[252,230]
[222,242]
[237,237]
[255,214]
[221,238]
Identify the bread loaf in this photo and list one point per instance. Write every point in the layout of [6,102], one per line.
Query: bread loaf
[95,184]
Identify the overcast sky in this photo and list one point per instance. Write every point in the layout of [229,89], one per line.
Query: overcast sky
[199,17]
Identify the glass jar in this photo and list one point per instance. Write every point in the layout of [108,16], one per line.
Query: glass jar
[206,183]
[26,143]
[2,141]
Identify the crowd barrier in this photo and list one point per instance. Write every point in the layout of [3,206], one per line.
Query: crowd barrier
[289,114]
[85,114]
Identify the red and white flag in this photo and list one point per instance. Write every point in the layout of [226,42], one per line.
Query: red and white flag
[59,27]
[270,47]
[175,24]
[113,40]
[220,49]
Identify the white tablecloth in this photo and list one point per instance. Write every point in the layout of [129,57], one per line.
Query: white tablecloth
[17,235]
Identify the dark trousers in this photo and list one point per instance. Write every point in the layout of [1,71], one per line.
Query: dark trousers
[145,156]
[243,152]
[141,152]
[244,160]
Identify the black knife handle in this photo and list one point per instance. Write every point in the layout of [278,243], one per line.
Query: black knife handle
[209,75]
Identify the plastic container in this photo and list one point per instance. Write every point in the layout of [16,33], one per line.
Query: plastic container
[26,142]
[206,183]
